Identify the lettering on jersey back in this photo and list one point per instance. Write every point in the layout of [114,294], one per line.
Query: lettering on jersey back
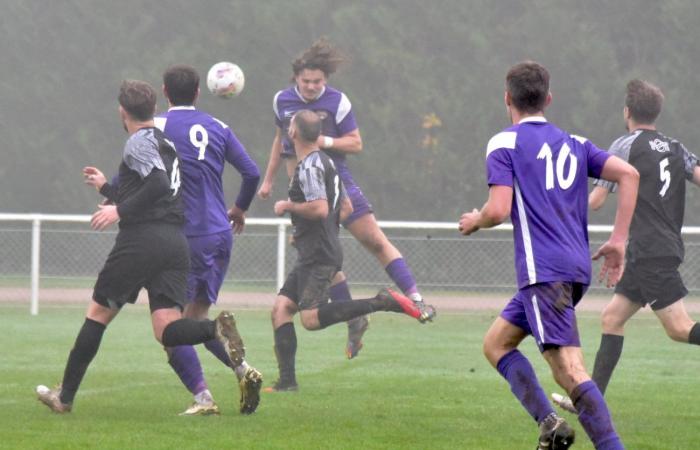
[659,146]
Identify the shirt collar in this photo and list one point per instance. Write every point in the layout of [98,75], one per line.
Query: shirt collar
[182,108]
[296,89]
[532,119]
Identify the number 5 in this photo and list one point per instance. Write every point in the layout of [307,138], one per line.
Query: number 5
[664,175]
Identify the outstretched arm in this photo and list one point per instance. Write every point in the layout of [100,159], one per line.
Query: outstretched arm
[613,251]
[272,165]
[597,197]
[494,212]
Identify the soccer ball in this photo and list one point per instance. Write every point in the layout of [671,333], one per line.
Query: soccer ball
[225,79]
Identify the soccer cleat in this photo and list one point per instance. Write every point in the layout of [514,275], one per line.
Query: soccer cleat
[394,301]
[356,329]
[250,386]
[564,403]
[52,399]
[201,409]
[555,434]
[281,386]
[227,333]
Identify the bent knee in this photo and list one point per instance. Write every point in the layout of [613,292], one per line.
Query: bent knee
[678,334]
[611,324]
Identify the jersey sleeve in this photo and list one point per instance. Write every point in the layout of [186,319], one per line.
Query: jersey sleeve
[499,162]
[275,108]
[311,181]
[690,161]
[141,155]
[595,158]
[345,117]
[620,148]
[237,156]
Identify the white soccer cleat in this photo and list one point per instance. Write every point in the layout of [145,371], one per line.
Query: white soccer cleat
[564,403]
[52,399]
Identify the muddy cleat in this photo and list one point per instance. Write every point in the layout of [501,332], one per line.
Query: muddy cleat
[564,403]
[555,434]
[52,399]
[250,386]
[201,409]
[227,333]
[281,386]
[356,329]
[394,301]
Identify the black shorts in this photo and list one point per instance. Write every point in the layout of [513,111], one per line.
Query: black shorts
[151,256]
[653,281]
[309,285]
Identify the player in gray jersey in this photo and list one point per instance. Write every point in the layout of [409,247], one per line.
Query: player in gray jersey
[655,247]
[317,203]
[150,250]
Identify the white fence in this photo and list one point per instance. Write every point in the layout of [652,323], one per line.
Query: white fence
[62,251]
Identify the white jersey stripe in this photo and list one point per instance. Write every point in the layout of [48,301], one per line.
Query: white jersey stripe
[527,241]
[274,105]
[159,122]
[504,139]
[344,108]
[538,319]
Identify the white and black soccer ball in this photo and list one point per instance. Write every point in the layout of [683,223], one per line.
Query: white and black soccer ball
[225,79]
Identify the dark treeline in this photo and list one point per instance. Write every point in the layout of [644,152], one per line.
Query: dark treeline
[425,80]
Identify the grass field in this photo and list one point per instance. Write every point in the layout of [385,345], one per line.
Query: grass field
[413,386]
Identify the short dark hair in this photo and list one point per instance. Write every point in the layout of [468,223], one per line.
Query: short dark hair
[308,125]
[181,83]
[528,85]
[138,99]
[644,101]
[321,55]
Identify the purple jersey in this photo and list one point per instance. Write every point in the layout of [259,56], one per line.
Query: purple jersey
[337,118]
[204,144]
[548,170]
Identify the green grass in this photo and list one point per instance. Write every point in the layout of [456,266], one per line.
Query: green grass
[413,386]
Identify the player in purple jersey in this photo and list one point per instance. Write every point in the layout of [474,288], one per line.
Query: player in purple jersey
[340,138]
[204,145]
[150,250]
[538,175]
[317,204]
[655,249]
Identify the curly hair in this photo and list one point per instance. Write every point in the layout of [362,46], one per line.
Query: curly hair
[320,56]
[644,101]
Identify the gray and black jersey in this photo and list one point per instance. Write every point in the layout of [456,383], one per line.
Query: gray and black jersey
[316,178]
[664,165]
[149,181]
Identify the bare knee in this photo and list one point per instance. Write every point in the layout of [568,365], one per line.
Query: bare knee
[282,311]
[611,323]
[677,332]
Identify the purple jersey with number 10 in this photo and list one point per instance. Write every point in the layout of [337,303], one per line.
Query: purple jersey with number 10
[204,144]
[548,170]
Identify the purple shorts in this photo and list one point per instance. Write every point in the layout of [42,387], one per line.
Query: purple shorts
[209,258]
[360,204]
[546,311]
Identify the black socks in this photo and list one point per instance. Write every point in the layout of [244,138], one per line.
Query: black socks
[188,332]
[606,359]
[82,354]
[286,351]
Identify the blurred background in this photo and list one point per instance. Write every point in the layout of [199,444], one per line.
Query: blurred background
[426,81]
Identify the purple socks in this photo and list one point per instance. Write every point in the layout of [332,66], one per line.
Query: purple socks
[594,416]
[518,371]
[184,361]
[401,274]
